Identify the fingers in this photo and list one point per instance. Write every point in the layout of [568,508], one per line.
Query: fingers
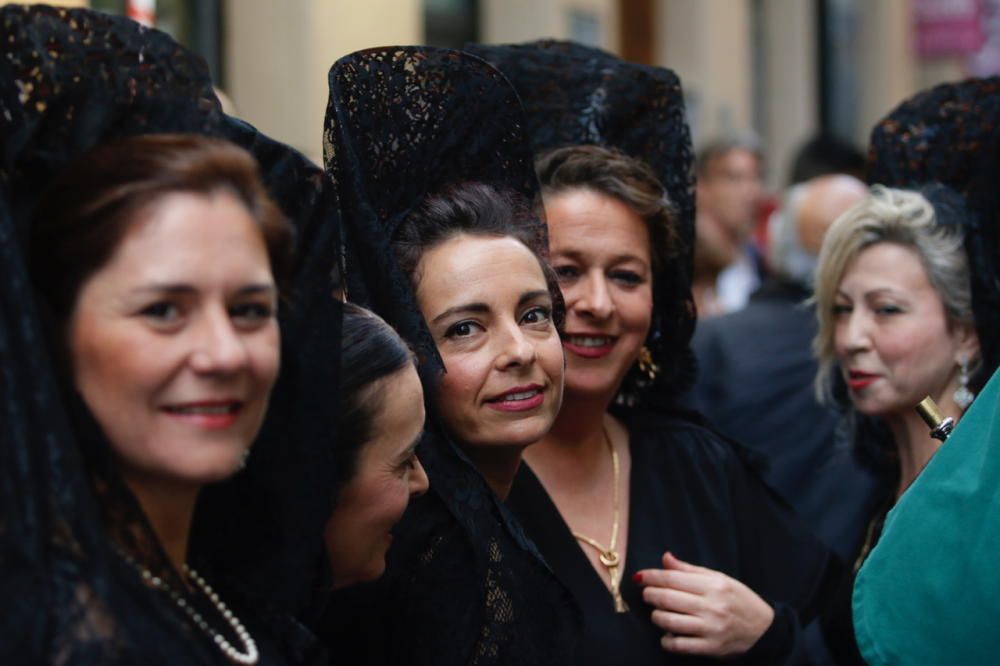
[679,623]
[700,582]
[671,561]
[687,645]
[664,598]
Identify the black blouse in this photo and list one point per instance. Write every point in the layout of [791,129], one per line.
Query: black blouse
[690,494]
[454,592]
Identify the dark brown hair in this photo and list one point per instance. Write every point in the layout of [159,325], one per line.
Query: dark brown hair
[370,352]
[612,173]
[90,206]
[475,209]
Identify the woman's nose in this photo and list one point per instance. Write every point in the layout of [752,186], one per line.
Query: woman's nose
[419,483]
[218,346]
[516,349]
[594,298]
[855,332]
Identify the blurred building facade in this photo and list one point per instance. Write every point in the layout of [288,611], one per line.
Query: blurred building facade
[781,68]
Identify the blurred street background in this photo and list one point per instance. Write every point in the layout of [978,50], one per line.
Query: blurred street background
[782,70]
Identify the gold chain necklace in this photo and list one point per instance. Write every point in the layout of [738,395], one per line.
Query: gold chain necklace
[609,556]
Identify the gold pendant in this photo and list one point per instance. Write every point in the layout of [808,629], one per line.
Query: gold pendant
[620,605]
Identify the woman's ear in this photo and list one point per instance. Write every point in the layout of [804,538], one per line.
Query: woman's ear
[967,344]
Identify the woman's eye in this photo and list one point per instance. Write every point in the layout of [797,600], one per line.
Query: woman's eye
[888,309]
[537,315]
[251,313]
[627,277]
[840,308]
[162,312]
[462,329]
[566,272]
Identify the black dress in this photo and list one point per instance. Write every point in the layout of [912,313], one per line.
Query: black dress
[462,586]
[690,494]
[67,595]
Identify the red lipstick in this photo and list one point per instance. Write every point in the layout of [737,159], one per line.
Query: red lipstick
[589,345]
[857,380]
[207,414]
[518,398]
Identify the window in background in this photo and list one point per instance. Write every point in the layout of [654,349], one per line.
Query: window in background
[451,23]
[838,66]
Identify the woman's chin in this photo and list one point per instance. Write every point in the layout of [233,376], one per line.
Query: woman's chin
[590,387]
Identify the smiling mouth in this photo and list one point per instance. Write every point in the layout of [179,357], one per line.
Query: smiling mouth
[590,341]
[228,408]
[518,400]
[589,346]
[211,415]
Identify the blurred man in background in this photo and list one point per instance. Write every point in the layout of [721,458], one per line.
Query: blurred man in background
[756,370]
[730,188]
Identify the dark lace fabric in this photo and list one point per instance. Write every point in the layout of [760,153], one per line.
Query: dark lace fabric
[77,78]
[463,584]
[943,135]
[264,526]
[576,95]
[949,135]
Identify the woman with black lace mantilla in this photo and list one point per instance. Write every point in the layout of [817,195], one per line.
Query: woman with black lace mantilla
[436,182]
[670,542]
[142,261]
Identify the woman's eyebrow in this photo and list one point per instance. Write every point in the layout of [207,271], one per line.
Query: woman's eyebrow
[529,296]
[478,308]
[179,288]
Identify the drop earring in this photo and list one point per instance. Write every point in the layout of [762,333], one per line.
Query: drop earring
[963,396]
[646,364]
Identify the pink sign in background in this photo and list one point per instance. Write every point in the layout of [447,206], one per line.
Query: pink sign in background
[948,27]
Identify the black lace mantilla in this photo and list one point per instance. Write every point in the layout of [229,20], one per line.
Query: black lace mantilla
[403,123]
[948,134]
[573,95]
[77,78]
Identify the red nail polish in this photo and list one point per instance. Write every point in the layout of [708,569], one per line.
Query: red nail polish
[637,578]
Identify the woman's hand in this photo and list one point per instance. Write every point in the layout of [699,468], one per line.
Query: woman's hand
[702,611]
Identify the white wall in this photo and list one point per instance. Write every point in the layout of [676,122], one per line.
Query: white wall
[278,54]
[511,21]
[790,88]
[707,42]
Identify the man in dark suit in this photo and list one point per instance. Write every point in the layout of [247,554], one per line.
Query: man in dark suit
[756,371]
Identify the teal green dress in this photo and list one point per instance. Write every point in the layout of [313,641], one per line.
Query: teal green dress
[929,592]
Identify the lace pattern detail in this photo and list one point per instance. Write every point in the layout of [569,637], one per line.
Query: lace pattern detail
[78,78]
[575,95]
[949,134]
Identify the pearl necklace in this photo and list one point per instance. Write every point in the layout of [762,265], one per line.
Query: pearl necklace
[248,656]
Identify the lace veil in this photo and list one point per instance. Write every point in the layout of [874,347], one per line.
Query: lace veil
[403,123]
[77,78]
[574,95]
[947,134]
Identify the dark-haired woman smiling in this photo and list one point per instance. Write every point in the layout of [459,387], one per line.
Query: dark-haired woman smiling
[157,260]
[382,418]
[491,304]
[669,544]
